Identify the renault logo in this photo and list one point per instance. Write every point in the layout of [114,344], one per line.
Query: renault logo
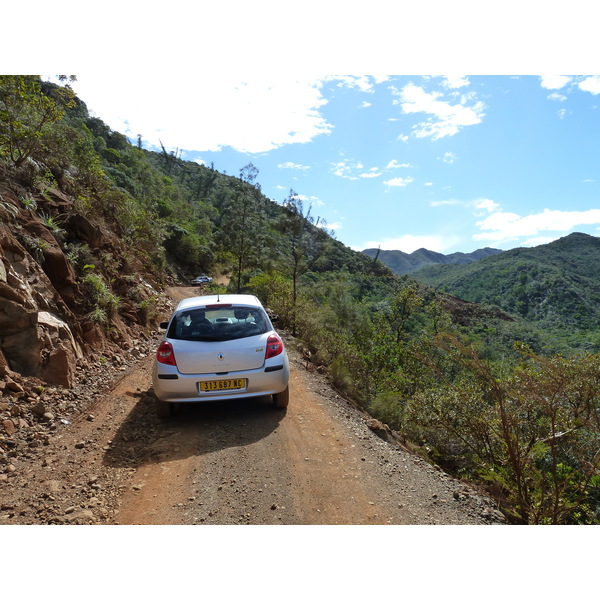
[220,356]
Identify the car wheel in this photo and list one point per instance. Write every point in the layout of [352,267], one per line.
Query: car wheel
[164,409]
[282,399]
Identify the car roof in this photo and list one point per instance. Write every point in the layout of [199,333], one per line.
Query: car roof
[202,301]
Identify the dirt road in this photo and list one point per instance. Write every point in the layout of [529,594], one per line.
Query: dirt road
[238,463]
[233,463]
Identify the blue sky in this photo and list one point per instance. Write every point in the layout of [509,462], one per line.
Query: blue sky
[449,163]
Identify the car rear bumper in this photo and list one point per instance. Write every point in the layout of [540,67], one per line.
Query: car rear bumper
[172,386]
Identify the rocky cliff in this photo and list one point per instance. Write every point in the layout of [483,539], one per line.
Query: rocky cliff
[50,316]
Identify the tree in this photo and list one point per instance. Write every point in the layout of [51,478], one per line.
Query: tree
[249,173]
[243,222]
[404,304]
[27,114]
[305,242]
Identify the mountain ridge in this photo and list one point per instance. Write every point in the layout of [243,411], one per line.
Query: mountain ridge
[403,263]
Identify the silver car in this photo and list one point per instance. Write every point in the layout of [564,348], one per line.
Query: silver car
[201,279]
[219,347]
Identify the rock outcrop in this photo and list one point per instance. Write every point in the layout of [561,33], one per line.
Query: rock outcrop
[46,330]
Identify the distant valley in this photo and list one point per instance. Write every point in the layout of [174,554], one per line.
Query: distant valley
[555,286]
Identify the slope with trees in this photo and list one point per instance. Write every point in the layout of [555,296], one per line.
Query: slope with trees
[555,286]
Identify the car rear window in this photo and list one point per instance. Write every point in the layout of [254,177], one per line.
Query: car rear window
[217,324]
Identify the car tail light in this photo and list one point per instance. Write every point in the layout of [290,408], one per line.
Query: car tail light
[165,354]
[274,346]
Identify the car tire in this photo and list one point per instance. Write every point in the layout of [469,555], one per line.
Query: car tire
[282,399]
[164,409]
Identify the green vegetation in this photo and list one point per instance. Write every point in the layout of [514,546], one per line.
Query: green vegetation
[102,300]
[532,431]
[28,117]
[555,286]
[497,383]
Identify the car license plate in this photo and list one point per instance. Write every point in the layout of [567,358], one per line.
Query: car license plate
[223,384]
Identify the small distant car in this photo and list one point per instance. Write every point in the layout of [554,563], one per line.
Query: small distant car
[219,347]
[201,279]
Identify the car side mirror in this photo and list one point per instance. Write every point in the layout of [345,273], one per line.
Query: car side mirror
[164,324]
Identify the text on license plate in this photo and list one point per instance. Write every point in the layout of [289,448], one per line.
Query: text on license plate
[223,384]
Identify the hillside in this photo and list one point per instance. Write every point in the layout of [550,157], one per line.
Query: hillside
[402,263]
[92,228]
[555,286]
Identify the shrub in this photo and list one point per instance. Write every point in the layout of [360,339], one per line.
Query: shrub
[341,376]
[98,316]
[534,432]
[390,407]
[274,291]
[100,294]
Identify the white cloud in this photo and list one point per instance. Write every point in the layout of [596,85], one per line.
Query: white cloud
[353,170]
[364,83]
[554,82]
[486,205]
[454,82]
[538,241]
[365,104]
[436,203]
[591,84]
[505,226]
[394,164]
[291,165]
[374,172]
[447,119]
[556,96]
[481,206]
[346,169]
[256,116]
[398,181]
[449,157]
[334,226]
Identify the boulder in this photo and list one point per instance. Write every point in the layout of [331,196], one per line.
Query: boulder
[38,344]
[85,230]
[59,330]
[22,350]
[61,274]
[61,350]
[9,426]
[60,367]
